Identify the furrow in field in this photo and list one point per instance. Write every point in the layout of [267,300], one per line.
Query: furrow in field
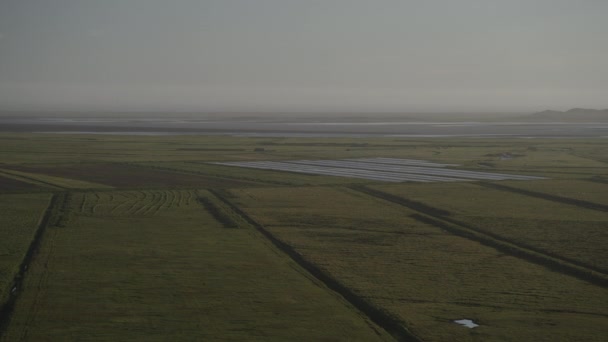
[170,199]
[215,283]
[125,201]
[390,323]
[157,204]
[148,203]
[95,203]
[549,197]
[140,198]
[554,262]
[165,202]
[55,203]
[189,197]
[133,204]
[179,198]
[83,203]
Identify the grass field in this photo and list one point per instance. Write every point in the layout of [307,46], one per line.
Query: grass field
[20,216]
[589,191]
[8,183]
[149,241]
[567,231]
[131,176]
[154,264]
[426,276]
[52,182]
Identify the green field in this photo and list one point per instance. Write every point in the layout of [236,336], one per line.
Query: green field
[145,240]
[20,216]
[562,230]
[424,275]
[147,265]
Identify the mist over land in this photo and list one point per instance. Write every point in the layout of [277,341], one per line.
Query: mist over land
[469,56]
[304,170]
[573,123]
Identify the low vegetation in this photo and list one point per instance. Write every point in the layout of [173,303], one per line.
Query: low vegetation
[9,184]
[20,217]
[423,275]
[567,231]
[152,265]
[52,182]
[146,240]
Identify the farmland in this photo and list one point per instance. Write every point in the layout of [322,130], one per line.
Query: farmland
[10,184]
[291,238]
[152,264]
[424,275]
[20,218]
[534,222]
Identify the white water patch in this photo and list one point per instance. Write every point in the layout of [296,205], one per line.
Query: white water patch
[467,323]
[379,169]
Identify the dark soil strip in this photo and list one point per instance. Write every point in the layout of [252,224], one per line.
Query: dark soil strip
[402,201]
[552,261]
[598,179]
[217,213]
[8,184]
[517,251]
[261,182]
[548,197]
[32,179]
[378,315]
[61,216]
[240,180]
[50,215]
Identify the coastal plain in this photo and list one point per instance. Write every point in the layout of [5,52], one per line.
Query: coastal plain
[131,237]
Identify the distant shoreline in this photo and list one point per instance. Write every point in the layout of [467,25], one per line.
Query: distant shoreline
[310,129]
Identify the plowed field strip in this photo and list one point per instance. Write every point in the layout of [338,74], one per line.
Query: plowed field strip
[549,197]
[147,205]
[156,206]
[120,204]
[391,324]
[549,260]
[140,197]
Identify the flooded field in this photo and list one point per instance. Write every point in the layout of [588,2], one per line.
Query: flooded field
[379,169]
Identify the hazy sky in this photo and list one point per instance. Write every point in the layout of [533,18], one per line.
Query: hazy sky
[304,55]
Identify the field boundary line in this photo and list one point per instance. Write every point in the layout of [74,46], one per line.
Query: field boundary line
[197,173]
[54,181]
[218,213]
[379,316]
[30,180]
[552,262]
[553,198]
[597,179]
[6,310]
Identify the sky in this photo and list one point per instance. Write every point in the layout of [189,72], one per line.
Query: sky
[303,55]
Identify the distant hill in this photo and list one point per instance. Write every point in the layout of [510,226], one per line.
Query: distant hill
[574,114]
